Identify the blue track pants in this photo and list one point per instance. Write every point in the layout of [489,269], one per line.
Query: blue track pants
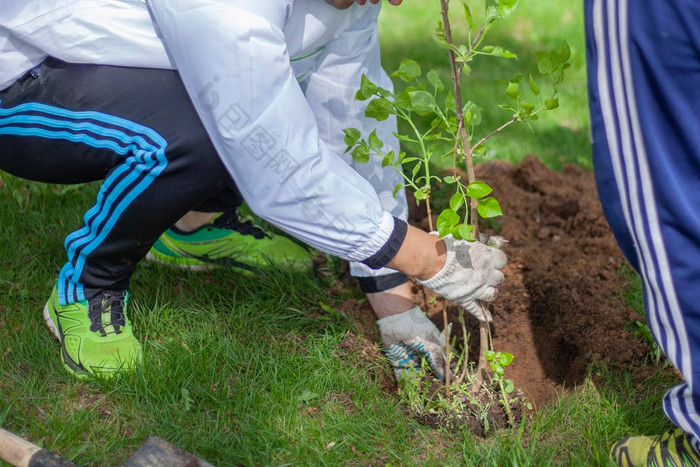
[644,87]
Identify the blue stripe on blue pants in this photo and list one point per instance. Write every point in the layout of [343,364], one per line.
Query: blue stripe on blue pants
[644,88]
[133,128]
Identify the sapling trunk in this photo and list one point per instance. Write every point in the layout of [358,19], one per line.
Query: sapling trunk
[482,369]
[430,213]
[447,347]
[462,130]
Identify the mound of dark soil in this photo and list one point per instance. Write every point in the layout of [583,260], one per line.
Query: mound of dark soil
[561,307]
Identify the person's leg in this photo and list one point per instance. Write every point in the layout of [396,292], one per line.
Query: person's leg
[165,163]
[137,129]
[645,112]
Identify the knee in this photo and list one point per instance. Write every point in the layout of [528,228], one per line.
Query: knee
[195,154]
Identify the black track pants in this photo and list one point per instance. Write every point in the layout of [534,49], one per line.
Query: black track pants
[137,130]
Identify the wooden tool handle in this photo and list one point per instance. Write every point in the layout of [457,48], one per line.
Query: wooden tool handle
[21,453]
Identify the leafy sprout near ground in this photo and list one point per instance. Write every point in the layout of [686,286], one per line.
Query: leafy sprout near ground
[455,131]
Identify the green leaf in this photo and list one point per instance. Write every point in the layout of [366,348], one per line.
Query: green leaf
[506,7]
[446,221]
[409,70]
[466,231]
[475,112]
[367,89]
[419,195]
[361,153]
[397,188]
[435,81]
[481,150]
[562,53]
[489,354]
[456,201]
[492,12]
[415,170]
[450,105]
[508,386]
[379,109]
[546,63]
[498,51]
[374,141]
[527,108]
[388,158]
[468,16]
[478,190]
[402,156]
[423,102]
[351,136]
[402,137]
[506,358]
[489,207]
[533,86]
[440,41]
[403,101]
[451,179]
[551,103]
[513,90]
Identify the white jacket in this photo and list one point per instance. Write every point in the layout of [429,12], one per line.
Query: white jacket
[272,80]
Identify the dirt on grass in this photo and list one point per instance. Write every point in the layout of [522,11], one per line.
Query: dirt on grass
[561,307]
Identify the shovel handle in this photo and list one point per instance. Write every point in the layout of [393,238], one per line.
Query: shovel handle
[21,453]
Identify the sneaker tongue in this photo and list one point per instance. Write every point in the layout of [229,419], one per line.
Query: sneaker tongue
[230,221]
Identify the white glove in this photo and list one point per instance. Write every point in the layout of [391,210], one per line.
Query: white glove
[408,335]
[471,274]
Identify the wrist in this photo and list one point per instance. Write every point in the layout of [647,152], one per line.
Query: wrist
[421,255]
[435,263]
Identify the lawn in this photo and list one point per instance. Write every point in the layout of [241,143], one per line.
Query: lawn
[244,370]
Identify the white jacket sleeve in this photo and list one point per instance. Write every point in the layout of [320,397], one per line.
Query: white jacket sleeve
[330,91]
[233,60]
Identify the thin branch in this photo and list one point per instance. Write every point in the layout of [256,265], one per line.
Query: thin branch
[465,336]
[494,132]
[477,39]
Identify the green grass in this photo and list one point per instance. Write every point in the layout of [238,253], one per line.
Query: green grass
[251,371]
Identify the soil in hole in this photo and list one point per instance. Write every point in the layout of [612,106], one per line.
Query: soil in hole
[561,307]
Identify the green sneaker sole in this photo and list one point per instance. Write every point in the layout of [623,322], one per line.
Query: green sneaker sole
[196,264]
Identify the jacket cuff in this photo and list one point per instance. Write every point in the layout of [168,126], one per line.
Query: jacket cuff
[381,283]
[387,252]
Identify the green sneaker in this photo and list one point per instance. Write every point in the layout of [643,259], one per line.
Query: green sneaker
[669,449]
[95,335]
[228,242]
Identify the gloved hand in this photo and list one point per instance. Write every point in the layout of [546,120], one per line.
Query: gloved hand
[471,274]
[409,334]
